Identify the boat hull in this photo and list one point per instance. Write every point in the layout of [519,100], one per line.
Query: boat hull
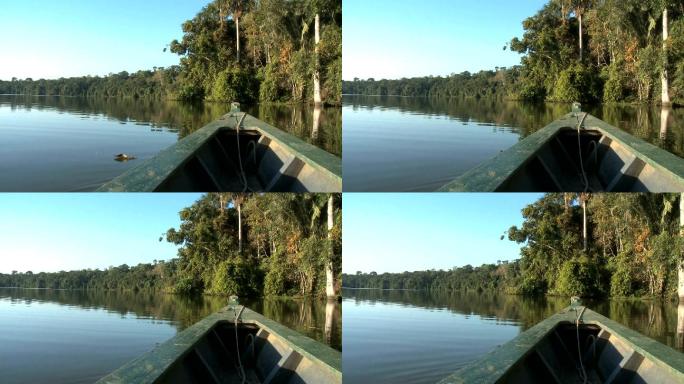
[551,351]
[237,153]
[214,351]
[562,158]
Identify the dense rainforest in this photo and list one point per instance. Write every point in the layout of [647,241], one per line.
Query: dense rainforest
[632,248]
[574,50]
[243,244]
[232,50]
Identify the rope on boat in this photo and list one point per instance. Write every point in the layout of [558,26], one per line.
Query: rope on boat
[237,137]
[583,373]
[579,147]
[237,345]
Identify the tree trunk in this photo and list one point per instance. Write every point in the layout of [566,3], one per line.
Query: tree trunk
[239,209]
[329,273]
[680,325]
[581,45]
[664,79]
[584,222]
[680,265]
[237,34]
[317,75]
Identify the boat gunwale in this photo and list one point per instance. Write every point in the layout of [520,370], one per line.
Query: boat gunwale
[490,175]
[152,365]
[496,364]
[153,172]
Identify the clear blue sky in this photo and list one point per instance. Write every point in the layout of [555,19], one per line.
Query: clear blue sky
[414,232]
[52,39]
[390,39]
[73,231]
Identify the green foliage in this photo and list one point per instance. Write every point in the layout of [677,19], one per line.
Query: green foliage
[634,248]
[332,87]
[139,85]
[575,83]
[276,282]
[613,90]
[235,276]
[277,48]
[622,60]
[233,84]
[285,238]
[159,275]
[621,280]
[532,286]
[185,285]
[271,80]
[579,277]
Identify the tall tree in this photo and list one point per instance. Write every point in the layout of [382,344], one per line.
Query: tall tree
[317,70]
[238,199]
[680,262]
[329,272]
[664,78]
[583,198]
[237,7]
[579,7]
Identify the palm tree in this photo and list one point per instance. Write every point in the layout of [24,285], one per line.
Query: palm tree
[236,8]
[238,199]
[583,197]
[579,6]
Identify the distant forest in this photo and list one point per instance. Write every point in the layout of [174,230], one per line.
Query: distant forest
[232,50]
[574,50]
[633,249]
[242,244]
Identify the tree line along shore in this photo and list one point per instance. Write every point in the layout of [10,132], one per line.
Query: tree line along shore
[629,246]
[611,51]
[267,51]
[230,244]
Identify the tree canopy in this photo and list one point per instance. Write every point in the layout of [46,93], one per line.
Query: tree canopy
[634,249]
[277,61]
[286,245]
[621,58]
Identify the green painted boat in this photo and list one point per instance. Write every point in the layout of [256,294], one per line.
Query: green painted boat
[576,345]
[577,153]
[236,153]
[234,345]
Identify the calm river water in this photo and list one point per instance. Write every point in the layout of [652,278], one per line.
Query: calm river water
[422,337]
[78,336]
[68,144]
[394,143]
